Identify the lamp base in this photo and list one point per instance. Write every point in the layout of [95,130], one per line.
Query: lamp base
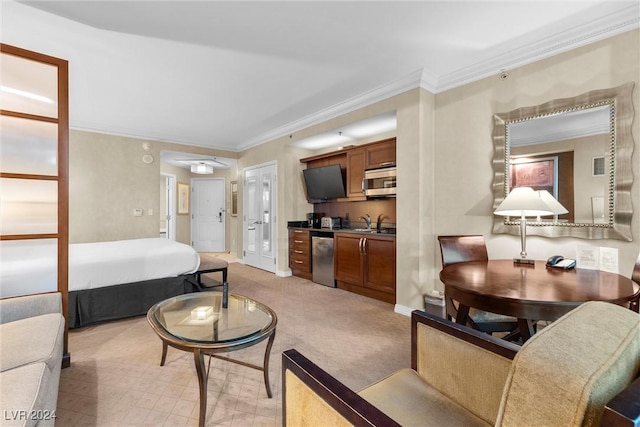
[524,261]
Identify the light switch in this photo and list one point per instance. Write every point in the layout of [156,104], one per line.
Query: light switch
[137,212]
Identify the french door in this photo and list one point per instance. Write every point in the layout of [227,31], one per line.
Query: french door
[259,219]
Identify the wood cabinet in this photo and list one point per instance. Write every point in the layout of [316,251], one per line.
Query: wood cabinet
[300,253]
[381,154]
[353,161]
[374,155]
[355,173]
[366,264]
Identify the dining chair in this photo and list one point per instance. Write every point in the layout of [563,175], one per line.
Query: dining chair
[466,248]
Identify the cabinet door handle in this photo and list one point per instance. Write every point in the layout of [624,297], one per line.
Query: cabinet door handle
[298,241]
[299,231]
[364,245]
[387,163]
[297,262]
[298,252]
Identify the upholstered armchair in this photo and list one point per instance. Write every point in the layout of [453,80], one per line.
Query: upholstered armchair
[582,370]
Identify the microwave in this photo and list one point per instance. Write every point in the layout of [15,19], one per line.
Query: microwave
[380,182]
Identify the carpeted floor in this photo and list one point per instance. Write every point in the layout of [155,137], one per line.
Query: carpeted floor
[115,378]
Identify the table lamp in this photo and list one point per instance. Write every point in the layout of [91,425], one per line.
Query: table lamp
[523,202]
[554,204]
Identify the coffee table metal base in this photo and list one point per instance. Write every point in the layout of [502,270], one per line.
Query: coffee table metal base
[203,373]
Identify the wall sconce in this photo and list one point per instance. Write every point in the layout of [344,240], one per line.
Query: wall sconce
[523,202]
[202,313]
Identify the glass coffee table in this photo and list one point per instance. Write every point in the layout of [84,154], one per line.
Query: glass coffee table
[198,323]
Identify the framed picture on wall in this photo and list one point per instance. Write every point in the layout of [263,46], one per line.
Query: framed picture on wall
[539,174]
[183,198]
[234,198]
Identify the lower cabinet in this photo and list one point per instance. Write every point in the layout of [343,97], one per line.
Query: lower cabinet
[300,253]
[366,264]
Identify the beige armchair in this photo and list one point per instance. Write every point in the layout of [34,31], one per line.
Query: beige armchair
[582,370]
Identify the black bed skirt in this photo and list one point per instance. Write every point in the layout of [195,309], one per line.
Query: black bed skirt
[91,306]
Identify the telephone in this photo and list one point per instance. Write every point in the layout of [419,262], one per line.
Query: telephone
[558,261]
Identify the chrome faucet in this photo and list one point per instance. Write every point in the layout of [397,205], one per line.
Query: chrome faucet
[367,220]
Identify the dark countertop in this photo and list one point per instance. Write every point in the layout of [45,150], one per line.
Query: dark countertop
[385,231]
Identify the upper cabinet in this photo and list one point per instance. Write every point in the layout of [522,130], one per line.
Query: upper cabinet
[353,162]
[356,163]
[380,154]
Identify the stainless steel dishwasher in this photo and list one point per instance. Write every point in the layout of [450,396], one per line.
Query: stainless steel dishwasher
[322,260]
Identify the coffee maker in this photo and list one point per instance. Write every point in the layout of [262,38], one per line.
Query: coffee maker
[313,219]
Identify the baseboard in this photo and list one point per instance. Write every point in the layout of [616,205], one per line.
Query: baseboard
[401,309]
[283,273]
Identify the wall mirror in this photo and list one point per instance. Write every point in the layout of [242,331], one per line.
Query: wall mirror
[579,149]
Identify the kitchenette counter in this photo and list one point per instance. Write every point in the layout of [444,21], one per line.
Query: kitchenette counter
[354,259]
[384,231]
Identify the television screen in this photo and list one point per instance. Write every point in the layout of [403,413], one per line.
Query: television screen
[324,182]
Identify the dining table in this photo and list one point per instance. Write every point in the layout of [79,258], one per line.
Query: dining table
[531,292]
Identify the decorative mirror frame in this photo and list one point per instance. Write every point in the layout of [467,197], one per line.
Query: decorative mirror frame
[621,145]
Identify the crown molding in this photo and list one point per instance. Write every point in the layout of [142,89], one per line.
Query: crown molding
[602,28]
[419,78]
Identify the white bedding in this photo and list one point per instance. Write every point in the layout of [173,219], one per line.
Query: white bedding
[93,265]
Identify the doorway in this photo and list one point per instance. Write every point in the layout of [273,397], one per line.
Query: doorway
[168,206]
[208,214]
[259,219]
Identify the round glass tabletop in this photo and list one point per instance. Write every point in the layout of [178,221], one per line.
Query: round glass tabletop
[200,318]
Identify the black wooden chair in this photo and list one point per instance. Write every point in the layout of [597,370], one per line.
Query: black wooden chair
[466,248]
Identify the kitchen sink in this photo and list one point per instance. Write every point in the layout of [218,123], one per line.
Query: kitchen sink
[374,231]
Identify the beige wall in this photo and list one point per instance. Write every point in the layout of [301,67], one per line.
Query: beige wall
[108,179]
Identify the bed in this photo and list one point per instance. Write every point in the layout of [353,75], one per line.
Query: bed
[115,280]
[107,280]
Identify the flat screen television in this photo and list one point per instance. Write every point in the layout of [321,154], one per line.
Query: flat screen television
[324,183]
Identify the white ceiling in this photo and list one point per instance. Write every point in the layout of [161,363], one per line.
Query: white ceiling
[231,75]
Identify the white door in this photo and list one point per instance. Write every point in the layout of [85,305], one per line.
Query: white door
[259,218]
[207,214]
[168,206]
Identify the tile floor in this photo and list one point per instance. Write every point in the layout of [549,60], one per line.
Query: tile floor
[115,378]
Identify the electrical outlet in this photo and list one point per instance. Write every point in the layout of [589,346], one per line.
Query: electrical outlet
[137,212]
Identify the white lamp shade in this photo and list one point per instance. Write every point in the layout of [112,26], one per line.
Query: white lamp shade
[551,201]
[523,201]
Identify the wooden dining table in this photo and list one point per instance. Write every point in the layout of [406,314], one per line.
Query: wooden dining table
[531,293]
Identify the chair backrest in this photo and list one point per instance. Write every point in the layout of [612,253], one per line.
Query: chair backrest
[565,374]
[455,249]
[635,276]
